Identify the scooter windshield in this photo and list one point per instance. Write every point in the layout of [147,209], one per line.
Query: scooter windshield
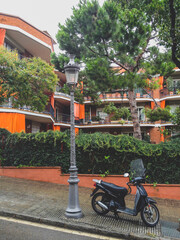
[137,168]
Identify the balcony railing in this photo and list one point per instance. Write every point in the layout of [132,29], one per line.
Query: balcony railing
[170,94]
[119,122]
[119,96]
[26,108]
[62,95]
[65,118]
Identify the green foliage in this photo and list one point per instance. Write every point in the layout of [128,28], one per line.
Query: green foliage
[95,153]
[168,26]
[176,118]
[110,108]
[40,149]
[158,63]
[119,33]
[95,118]
[171,86]
[26,80]
[59,62]
[118,113]
[158,114]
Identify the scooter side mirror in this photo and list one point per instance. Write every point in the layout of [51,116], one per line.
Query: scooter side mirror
[126,175]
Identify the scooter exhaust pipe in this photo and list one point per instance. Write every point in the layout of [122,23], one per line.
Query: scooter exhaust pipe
[102,205]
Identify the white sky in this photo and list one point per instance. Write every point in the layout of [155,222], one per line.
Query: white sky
[43,14]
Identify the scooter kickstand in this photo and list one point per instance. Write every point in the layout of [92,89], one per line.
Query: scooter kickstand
[116,215]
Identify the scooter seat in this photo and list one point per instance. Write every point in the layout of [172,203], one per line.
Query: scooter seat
[114,188]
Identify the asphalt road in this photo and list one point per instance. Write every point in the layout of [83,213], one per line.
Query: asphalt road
[12,229]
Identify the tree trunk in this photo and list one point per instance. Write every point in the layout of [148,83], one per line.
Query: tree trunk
[173,35]
[134,114]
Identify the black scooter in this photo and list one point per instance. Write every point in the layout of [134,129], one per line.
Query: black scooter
[111,198]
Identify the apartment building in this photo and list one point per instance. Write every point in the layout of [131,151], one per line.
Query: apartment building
[15,33]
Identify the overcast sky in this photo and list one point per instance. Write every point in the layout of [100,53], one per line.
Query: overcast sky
[45,15]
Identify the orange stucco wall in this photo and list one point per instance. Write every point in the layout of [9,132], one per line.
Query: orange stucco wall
[56,128]
[163,103]
[76,131]
[2,36]
[161,80]
[155,135]
[18,22]
[76,109]
[52,100]
[82,111]
[79,110]
[53,175]
[13,122]
[162,136]
[152,105]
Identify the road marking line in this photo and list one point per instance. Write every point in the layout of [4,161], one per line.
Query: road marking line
[41,225]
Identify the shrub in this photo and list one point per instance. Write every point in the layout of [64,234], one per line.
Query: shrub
[95,153]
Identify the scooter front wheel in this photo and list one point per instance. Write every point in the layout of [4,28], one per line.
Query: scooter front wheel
[150,215]
[97,199]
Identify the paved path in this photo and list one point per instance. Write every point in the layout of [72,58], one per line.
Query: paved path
[47,202]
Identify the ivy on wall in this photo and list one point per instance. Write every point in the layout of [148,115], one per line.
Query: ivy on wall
[95,153]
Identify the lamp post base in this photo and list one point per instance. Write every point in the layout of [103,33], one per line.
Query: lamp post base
[74,214]
[73,210]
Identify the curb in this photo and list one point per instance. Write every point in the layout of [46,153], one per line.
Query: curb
[81,227]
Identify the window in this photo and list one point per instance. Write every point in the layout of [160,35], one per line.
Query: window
[102,115]
[13,46]
[35,127]
[141,114]
[173,107]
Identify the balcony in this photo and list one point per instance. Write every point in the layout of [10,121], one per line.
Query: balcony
[170,95]
[65,119]
[27,108]
[111,122]
[45,116]
[62,98]
[118,97]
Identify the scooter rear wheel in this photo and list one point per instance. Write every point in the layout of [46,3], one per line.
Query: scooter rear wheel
[150,215]
[100,197]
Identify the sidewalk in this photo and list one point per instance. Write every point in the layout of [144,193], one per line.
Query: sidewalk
[47,202]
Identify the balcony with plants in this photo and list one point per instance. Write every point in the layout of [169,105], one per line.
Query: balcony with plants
[171,88]
[111,114]
[121,95]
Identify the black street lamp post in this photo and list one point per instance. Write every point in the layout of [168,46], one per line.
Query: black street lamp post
[73,210]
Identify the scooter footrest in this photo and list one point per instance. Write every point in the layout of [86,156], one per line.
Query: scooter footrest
[127,211]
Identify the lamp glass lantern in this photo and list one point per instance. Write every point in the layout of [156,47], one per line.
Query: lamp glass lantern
[72,71]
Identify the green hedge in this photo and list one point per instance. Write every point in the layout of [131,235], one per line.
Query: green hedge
[95,153]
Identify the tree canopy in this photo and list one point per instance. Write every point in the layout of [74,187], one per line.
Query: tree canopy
[25,80]
[114,42]
[169,25]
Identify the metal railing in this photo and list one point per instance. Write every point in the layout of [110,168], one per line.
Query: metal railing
[119,96]
[27,108]
[169,94]
[120,122]
[65,118]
